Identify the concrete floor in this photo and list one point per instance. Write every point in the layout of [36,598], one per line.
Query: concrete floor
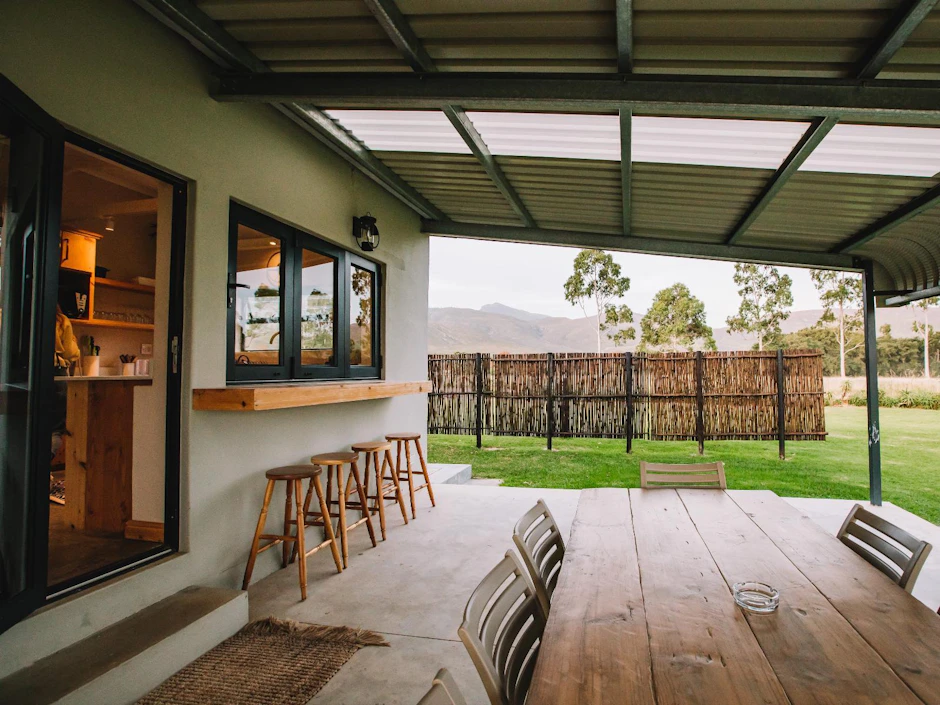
[413,588]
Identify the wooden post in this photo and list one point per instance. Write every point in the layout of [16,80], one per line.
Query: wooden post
[700,402]
[871,378]
[781,405]
[550,401]
[628,359]
[479,419]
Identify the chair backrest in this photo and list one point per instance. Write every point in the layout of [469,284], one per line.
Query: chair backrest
[542,548]
[889,548]
[693,475]
[502,630]
[444,691]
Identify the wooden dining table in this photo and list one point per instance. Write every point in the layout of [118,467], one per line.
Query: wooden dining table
[643,612]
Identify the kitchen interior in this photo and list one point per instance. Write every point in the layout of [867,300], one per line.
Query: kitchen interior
[108,474]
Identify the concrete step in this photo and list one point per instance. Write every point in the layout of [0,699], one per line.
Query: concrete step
[128,659]
[450,473]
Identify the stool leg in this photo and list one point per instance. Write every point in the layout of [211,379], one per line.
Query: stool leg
[307,499]
[365,476]
[253,554]
[328,524]
[342,515]
[398,495]
[301,548]
[378,489]
[411,481]
[285,548]
[424,469]
[363,501]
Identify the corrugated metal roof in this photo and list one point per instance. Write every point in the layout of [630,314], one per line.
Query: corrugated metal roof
[910,252]
[696,203]
[817,211]
[569,194]
[919,58]
[455,183]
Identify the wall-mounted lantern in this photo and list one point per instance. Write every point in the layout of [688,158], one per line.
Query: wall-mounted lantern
[366,232]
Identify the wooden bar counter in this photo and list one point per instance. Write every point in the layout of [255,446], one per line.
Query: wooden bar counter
[99,456]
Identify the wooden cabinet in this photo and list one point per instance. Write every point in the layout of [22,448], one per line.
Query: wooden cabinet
[79,250]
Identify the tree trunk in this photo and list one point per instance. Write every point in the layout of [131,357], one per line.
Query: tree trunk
[841,342]
[760,340]
[926,345]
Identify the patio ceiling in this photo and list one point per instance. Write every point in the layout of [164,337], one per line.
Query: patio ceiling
[548,121]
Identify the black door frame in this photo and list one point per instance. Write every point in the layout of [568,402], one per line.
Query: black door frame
[174,377]
[19,107]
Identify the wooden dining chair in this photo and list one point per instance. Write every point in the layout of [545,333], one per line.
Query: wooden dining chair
[444,691]
[691,475]
[889,548]
[502,630]
[542,548]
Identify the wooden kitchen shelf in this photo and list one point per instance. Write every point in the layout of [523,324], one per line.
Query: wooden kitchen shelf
[124,286]
[263,397]
[111,324]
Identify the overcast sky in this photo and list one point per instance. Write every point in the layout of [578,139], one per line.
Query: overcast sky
[471,273]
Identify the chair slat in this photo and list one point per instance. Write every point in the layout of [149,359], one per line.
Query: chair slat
[890,560]
[540,558]
[502,653]
[664,475]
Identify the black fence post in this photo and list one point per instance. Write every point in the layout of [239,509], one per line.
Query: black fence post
[628,359]
[479,390]
[781,405]
[700,402]
[550,401]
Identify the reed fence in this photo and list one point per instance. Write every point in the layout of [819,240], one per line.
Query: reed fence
[656,396]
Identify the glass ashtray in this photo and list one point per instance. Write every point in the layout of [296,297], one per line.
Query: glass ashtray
[756,597]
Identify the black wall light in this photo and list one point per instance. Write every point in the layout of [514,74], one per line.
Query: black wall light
[366,232]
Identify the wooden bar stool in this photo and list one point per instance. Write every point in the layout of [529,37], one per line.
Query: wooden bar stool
[402,439]
[382,488]
[293,475]
[334,463]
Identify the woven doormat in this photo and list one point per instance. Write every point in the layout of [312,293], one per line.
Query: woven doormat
[269,662]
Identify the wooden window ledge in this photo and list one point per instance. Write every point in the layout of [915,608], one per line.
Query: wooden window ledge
[263,397]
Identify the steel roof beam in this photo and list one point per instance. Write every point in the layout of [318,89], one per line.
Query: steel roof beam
[814,134]
[625,36]
[742,96]
[927,200]
[399,30]
[896,33]
[905,299]
[646,245]
[210,39]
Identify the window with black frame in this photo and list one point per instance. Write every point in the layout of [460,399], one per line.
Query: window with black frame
[299,307]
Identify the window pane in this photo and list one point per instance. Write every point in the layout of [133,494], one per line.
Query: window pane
[360,317]
[318,301]
[257,298]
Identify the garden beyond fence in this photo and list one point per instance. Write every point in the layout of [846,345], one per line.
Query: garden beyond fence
[655,396]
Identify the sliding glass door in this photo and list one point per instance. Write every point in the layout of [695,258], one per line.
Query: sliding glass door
[31,145]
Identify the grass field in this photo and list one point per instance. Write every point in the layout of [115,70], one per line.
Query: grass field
[835,468]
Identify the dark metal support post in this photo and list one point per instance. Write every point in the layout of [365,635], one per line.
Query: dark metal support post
[871,377]
[550,400]
[781,404]
[628,358]
[479,390]
[699,401]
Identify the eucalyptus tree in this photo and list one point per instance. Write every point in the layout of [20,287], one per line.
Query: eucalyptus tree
[597,280]
[766,298]
[924,327]
[676,321]
[841,297]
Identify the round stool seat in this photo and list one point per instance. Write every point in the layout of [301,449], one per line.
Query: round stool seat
[293,472]
[371,446]
[405,436]
[334,458]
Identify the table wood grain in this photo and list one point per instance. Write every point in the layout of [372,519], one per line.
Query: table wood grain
[643,611]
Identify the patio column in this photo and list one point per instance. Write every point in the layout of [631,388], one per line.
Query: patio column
[871,385]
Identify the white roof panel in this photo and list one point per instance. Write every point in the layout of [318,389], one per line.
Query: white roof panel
[878,149]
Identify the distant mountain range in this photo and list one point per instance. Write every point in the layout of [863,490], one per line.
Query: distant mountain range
[499,328]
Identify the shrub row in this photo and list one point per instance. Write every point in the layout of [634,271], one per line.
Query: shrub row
[904,399]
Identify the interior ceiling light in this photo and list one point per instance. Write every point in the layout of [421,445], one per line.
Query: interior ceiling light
[878,149]
[109,223]
[402,130]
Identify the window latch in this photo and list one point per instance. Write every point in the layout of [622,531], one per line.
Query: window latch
[232,286]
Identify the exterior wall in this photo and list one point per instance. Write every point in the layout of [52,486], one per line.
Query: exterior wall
[108,70]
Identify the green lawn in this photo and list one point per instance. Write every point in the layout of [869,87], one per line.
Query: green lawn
[836,468]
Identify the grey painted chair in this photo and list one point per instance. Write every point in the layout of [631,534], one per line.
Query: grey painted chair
[444,691]
[502,630]
[692,475]
[542,548]
[889,548]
